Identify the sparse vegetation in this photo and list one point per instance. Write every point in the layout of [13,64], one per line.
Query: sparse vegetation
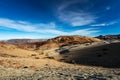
[50,57]
[33,54]
[37,57]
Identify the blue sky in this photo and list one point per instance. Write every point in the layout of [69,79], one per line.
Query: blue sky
[38,19]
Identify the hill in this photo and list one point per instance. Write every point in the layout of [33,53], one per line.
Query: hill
[105,55]
[17,63]
[61,41]
[58,42]
[10,50]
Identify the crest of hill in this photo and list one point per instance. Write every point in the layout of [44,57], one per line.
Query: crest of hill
[58,42]
[61,41]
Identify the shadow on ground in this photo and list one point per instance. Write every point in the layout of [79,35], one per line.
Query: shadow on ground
[105,56]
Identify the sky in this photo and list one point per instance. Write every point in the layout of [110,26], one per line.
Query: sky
[43,19]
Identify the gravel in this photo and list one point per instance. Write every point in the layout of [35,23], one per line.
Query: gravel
[61,73]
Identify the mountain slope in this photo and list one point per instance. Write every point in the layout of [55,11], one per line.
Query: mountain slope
[67,41]
[9,50]
[105,55]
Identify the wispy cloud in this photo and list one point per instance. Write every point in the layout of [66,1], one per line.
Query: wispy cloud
[86,32]
[42,27]
[75,18]
[105,24]
[28,27]
[8,23]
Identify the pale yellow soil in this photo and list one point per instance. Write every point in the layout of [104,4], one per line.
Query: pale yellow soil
[14,51]
[47,69]
[19,64]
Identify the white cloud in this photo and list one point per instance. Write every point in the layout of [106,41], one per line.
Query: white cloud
[15,25]
[75,18]
[49,28]
[28,27]
[105,24]
[85,31]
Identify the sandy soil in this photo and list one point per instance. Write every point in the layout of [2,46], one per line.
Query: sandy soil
[46,69]
[37,67]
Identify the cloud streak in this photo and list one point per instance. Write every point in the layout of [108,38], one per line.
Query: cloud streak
[28,27]
[75,17]
[105,24]
[42,27]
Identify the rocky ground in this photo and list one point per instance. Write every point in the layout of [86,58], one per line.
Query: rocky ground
[34,66]
[53,70]
[61,73]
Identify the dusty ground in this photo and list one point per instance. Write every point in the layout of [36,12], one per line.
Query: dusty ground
[45,69]
[32,66]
